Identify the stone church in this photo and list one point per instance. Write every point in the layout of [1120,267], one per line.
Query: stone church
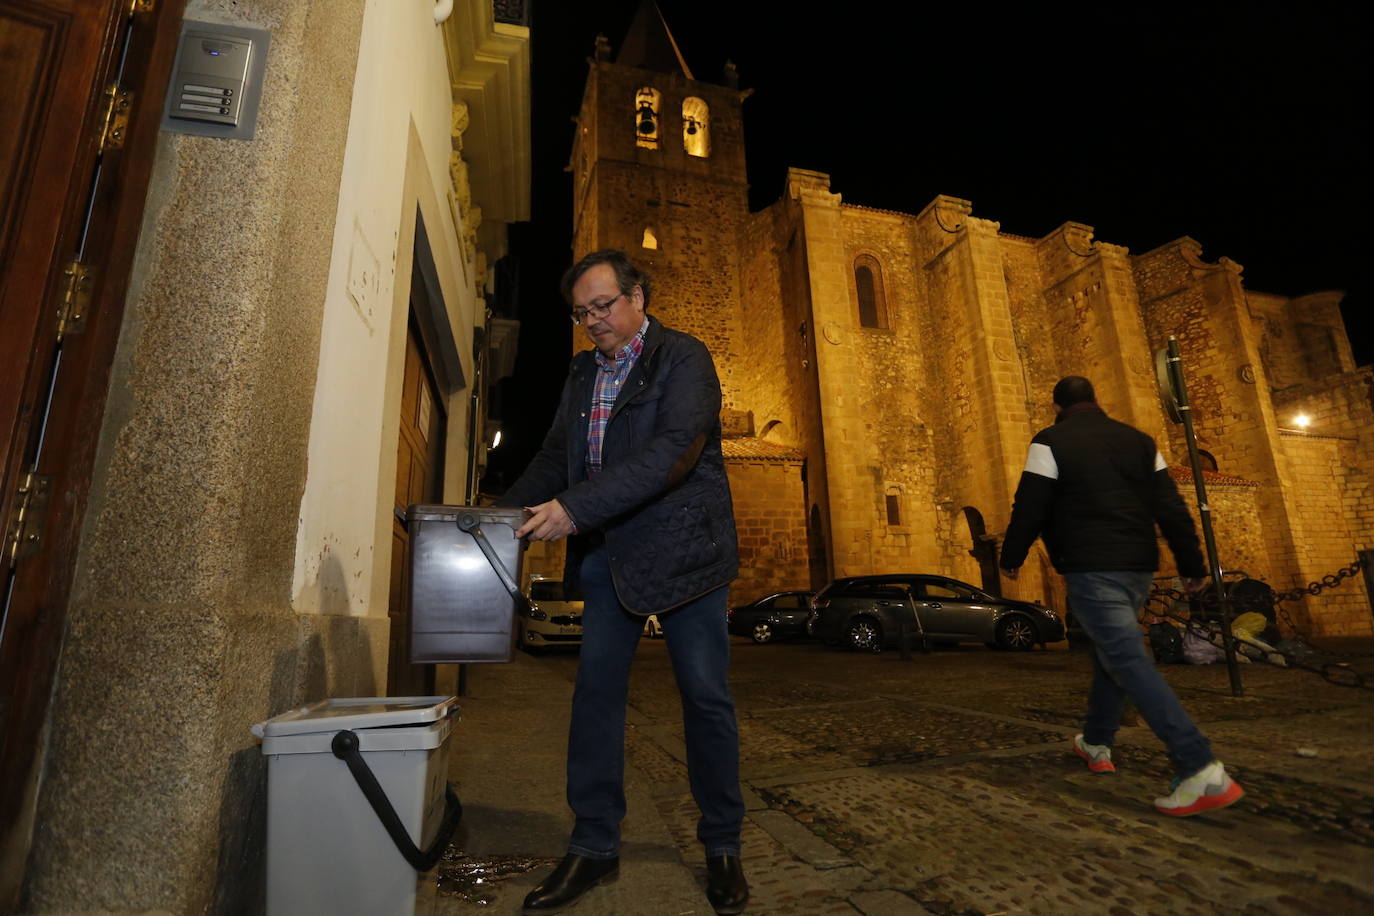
[883,372]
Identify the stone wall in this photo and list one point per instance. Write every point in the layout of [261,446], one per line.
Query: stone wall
[1203,304]
[1236,520]
[1322,478]
[770,516]
[960,441]
[778,373]
[1333,462]
[181,629]
[1301,340]
[888,398]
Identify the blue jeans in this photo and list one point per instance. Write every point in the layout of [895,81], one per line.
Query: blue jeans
[700,650]
[1106,605]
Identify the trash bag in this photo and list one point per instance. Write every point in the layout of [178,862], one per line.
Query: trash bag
[1258,649]
[1249,625]
[1197,649]
[1166,643]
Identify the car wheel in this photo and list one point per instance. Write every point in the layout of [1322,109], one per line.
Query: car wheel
[864,634]
[762,632]
[1016,633]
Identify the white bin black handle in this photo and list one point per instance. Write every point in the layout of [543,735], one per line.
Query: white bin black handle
[345,747]
[469,522]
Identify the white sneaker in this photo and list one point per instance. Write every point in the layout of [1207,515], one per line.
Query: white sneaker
[1099,756]
[1205,790]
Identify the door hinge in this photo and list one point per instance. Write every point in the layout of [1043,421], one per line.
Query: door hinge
[118,105]
[141,6]
[30,516]
[77,280]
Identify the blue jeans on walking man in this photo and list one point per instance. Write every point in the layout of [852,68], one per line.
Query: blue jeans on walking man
[699,646]
[1106,604]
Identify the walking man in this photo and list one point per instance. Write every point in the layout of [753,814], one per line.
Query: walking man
[632,473]
[1094,489]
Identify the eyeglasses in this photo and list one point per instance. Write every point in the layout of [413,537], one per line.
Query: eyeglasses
[597,310]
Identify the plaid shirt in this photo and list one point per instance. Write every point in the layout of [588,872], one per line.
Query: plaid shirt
[614,371]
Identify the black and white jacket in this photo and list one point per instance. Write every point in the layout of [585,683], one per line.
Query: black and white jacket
[1094,489]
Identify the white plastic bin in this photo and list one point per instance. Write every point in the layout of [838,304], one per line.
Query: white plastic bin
[328,851]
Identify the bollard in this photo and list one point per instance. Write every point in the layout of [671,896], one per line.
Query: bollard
[1367,563]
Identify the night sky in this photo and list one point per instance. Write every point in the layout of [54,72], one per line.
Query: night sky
[1239,127]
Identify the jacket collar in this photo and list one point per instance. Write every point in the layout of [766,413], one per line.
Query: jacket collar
[1080,408]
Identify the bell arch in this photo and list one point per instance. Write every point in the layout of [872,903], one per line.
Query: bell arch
[696,127]
[647,100]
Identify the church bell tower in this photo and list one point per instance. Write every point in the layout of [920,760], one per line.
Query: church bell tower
[658,172]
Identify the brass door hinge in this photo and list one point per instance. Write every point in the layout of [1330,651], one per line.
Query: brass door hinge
[115,124]
[76,299]
[30,516]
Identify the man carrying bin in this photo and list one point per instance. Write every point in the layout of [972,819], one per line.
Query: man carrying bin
[632,472]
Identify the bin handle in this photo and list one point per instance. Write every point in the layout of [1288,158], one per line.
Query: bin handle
[469,522]
[345,747]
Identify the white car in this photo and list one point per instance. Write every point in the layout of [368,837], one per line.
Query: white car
[553,620]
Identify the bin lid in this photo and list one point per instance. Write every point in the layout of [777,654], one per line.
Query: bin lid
[356,713]
[485,514]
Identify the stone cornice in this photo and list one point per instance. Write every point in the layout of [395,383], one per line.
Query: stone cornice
[948,212]
[1189,250]
[489,73]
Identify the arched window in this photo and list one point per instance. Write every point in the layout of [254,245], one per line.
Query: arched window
[696,127]
[894,506]
[646,117]
[650,239]
[868,289]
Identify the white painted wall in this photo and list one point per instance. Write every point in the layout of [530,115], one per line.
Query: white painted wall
[343,544]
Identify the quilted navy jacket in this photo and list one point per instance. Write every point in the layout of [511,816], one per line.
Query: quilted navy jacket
[1095,488]
[661,499]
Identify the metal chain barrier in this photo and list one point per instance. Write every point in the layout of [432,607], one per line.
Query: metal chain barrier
[1338,673]
[1314,588]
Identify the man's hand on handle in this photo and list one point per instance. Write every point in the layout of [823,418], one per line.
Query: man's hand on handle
[547,522]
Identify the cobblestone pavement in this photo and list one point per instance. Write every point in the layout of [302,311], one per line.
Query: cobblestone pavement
[944,785]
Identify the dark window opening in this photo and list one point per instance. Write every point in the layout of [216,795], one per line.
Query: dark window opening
[868,288]
[894,510]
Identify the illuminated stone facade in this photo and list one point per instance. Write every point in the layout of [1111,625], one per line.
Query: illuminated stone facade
[894,366]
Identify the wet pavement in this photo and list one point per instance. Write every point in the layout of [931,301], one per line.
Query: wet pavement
[942,784]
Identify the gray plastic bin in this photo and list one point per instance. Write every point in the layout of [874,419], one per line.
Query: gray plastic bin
[329,847]
[464,575]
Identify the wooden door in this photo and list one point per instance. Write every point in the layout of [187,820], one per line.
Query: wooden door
[419,479]
[81,91]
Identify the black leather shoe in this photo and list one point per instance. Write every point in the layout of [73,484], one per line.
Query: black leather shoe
[725,885]
[573,877]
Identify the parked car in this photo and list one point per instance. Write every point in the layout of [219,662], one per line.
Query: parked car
[555,619]
[775,616]
[652,628]
[868,612]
